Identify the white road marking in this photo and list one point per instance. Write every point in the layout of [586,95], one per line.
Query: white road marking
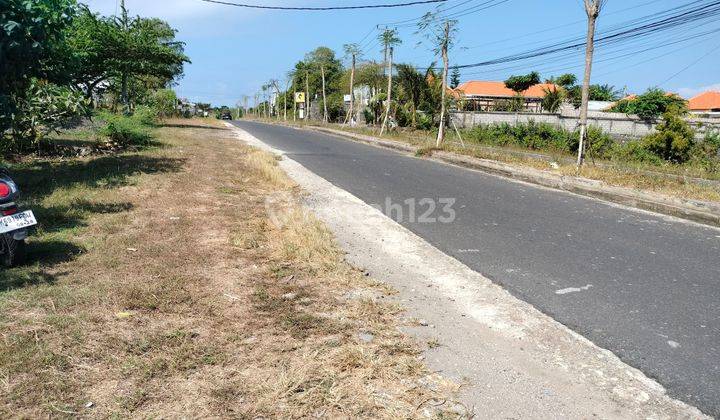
[673,344]
[572,290]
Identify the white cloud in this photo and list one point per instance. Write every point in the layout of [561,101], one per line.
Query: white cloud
[689,92]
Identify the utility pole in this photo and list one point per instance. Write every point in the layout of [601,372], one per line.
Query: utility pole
[592,9]
[307,95]
[325,113]
[444,51]
[287,88]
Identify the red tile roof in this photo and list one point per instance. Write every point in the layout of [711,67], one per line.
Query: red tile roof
[498,89]
[705,101]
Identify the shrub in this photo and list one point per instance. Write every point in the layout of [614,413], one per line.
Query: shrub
[125,130]
[634,151]
[707,152]
[599,143]
[146,115]
[674,140]
[165,101]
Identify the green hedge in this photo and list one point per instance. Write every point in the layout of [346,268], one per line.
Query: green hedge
[540,136]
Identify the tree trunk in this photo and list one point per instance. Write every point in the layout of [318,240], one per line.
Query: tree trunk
[352,92]
[389,92]
[124,92]
[592,7]
[325,113]
[441,128]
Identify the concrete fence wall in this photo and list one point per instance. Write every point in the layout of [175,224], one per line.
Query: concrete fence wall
[620,126]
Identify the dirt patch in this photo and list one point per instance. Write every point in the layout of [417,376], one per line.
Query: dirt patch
[201,290]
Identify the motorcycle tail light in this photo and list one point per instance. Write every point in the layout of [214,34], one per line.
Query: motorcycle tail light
[4,190]
[10,211]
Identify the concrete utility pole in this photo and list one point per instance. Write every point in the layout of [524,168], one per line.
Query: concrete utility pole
[444,51]
[325,113]
[592,9]
[287,88]
[307,95]
[389,92]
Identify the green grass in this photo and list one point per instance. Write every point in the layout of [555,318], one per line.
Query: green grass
[64,195]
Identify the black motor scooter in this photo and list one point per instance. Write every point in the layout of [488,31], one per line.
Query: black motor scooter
[13,223]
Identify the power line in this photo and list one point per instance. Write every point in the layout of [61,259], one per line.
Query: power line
[689,65]
[646,27]
[370,6]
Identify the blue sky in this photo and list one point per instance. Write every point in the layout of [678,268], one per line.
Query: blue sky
[234,50]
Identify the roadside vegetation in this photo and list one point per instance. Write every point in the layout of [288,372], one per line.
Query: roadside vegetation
[140,301]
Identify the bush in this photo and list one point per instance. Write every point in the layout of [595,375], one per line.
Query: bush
[165,102]
[674,140]
[600,144]
[146,115]
[707,152]
[634,151]
[125,130]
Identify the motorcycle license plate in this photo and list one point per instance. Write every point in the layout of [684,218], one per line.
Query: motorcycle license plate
[17,221]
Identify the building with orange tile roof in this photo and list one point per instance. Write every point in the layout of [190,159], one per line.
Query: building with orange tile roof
[480,95]
[705,102]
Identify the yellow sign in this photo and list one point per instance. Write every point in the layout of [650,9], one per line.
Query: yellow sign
[299,97]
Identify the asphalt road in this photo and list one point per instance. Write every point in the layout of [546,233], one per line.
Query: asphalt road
[643,286]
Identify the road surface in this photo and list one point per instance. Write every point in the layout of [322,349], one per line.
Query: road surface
[643,286]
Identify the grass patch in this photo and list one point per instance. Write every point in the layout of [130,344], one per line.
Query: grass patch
[150,303]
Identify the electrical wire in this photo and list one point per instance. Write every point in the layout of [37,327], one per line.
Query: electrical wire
[307,8]
[690,65]
[647,27]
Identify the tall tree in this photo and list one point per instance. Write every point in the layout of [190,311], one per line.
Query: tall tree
[390,39]
[353,51]
[442,35]
[592,9]
[520,84]
[455,78]
[411,87]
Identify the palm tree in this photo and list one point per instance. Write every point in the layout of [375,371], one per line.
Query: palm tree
[411,84]
[390,39]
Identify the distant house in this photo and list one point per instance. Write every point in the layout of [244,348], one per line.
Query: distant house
[705,103]
[477,95]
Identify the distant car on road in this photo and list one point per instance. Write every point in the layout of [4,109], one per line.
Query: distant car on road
[226,115]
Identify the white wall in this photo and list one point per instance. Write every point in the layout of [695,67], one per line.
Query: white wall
[616,124]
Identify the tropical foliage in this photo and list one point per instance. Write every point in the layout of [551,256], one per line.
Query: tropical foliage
[650,104]
[57,59]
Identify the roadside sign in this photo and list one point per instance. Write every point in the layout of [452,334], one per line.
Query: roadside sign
[300,97]
[347,98]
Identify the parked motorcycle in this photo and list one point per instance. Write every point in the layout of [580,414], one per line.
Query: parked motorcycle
[13,223]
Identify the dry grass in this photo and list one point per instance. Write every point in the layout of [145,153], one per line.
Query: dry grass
[190,283]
